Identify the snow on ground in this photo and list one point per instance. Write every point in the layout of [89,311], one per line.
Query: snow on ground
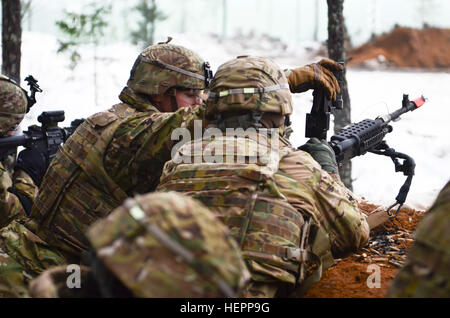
[422,134]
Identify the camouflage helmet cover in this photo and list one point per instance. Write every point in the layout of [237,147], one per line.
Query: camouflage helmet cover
[162,66]
[169,245]
[249,83]
[13,104]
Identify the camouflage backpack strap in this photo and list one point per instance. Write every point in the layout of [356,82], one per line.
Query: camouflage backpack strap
[310,264]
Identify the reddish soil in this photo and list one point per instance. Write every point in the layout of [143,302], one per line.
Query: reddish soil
[405,47]
[348,278]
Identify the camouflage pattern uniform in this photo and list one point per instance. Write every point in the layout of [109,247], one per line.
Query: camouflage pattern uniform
[281,207]
[13,106]
[161,245]
[427,269]
[117,153]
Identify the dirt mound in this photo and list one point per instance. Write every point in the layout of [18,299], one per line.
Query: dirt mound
[387,248]
[405,47]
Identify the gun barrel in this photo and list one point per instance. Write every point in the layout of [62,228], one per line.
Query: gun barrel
[407,106]
[364,136]
[13,141]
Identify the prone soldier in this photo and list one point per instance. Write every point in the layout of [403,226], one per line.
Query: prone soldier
[289,216]
[120,152]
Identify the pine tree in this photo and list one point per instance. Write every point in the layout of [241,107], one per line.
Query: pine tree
[150,14]
[336,51]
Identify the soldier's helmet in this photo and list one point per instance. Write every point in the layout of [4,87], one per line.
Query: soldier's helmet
[163,66]
[169,245]
[248,83]
[13,104]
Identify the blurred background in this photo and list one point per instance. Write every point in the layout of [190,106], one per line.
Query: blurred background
[288,20]
[82,51]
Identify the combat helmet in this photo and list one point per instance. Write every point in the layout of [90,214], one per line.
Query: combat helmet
[163,66]
[13,104]
[169,245]
[248,83]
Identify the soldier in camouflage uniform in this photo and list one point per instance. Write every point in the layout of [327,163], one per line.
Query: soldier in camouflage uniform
[16,186]
[427,269]
[155,245]
[120,152]
[288,215]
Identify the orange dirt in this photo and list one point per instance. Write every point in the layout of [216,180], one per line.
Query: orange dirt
[405,47]
[348,278]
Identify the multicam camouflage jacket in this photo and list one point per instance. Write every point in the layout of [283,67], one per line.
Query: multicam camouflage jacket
[269,202]
[13,276]
[427,269]
[112,155]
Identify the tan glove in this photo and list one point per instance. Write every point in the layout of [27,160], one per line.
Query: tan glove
[316,75]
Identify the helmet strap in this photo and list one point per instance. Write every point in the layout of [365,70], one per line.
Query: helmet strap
[173,100]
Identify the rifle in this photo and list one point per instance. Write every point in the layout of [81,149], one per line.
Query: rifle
[362,137]
[46,138]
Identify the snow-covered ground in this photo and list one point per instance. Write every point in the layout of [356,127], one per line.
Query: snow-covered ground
[422,134]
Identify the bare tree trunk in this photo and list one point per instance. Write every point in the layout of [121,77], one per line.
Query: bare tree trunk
[11,38]
[336,51]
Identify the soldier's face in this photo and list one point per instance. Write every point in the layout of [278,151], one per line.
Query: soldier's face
[188,98]
[183,97]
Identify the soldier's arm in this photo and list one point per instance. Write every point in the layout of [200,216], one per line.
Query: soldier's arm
[144,143]
[347,225]
[10,206]
[25,187]
[331,202]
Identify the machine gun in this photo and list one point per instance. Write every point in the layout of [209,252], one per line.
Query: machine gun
[46,138]
[367,136]
[360,138]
